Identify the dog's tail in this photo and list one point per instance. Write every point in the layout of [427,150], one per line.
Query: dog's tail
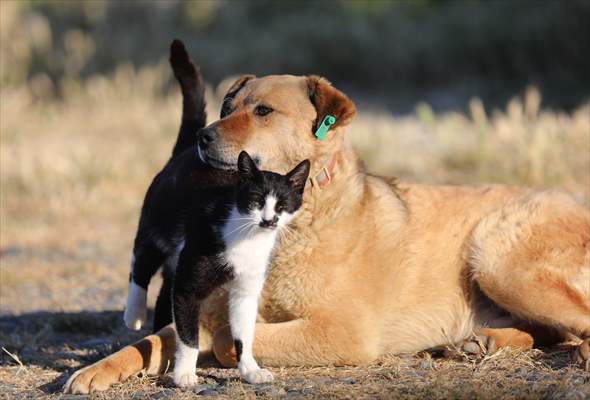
[194,116]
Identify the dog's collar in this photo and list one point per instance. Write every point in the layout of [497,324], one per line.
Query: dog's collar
[323,178]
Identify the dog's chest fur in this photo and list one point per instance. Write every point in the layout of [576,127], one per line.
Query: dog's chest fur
[292,284]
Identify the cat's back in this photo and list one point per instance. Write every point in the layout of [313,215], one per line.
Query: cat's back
[184,186]
[186,174]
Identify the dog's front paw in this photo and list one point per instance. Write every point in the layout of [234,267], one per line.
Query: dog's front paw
[223,347]
[94,378]
[185,379]
[258,376]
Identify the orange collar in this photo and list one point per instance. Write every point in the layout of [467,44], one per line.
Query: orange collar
[323,178]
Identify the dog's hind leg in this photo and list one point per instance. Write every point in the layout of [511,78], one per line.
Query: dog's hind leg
[488,340]
[532,258]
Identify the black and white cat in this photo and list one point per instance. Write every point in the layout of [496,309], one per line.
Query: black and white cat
[184,183]
[229,241]
[168,199]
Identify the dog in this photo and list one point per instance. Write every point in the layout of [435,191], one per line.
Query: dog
[374,266]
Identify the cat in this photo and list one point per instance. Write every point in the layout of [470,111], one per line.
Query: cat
[229,240]
[185,183]
[180,185]
[168,198]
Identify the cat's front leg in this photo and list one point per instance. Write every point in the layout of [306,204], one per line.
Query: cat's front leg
[243,308]
[195,279]
[187,294]
[185,364]
[186,319]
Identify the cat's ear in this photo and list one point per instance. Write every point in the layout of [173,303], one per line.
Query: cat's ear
[298,175]
[247,168]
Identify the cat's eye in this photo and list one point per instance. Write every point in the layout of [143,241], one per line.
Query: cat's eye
[280,208]
[257,202]
[262,110]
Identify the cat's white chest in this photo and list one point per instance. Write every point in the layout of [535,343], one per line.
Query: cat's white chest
[247,252]
[250,255]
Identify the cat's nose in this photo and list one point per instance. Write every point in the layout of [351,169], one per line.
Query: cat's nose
[269,223]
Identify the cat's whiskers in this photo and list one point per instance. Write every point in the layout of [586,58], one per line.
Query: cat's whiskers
[281,235]
[237,219]
[249,229]
[284,232]
[239,228]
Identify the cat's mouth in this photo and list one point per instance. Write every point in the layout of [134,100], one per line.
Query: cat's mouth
[215,162]
[269,227]
[268,224]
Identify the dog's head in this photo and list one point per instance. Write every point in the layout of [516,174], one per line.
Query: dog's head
[274,119]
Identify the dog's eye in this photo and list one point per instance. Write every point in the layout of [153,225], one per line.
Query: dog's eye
[261,110]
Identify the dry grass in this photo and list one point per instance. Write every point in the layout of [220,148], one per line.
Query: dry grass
[84,161]
[72,176]
[53,344]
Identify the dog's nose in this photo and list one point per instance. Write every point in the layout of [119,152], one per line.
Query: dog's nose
[206,137]
[269,223]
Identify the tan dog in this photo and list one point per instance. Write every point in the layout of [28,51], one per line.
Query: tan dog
[372,267]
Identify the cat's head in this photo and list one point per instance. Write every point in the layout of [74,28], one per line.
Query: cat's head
[270,199]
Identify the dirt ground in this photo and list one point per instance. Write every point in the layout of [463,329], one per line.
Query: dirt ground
[40,349]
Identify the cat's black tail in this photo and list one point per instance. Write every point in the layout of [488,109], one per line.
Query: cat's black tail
[194,116]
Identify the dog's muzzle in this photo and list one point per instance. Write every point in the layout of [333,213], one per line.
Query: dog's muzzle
[206,138]
[207,149]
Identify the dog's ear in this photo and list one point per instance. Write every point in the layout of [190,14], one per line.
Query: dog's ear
[238,84]
[231,93]
[329,101]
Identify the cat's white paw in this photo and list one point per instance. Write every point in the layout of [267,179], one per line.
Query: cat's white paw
[135,313]
[185,364]
[134,319]
[185,379]
[258,376]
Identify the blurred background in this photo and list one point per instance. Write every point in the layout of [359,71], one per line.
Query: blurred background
[453,92]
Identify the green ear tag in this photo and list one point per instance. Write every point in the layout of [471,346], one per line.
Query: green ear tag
[328,121]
